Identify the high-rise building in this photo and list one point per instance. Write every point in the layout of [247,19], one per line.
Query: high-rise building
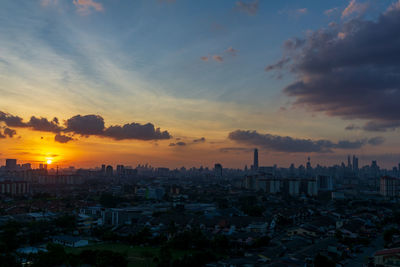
[355,163]
[103,169]
[120,170]
[390,186]
[11,164]
[255,160]
[109,171]
[324,183]
[349,162]
[218,170]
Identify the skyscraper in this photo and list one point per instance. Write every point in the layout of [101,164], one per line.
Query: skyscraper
[349,162]
[218,170]
[355,164]
[255,163]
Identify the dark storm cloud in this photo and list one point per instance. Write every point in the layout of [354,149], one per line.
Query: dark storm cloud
[178,144]
[94,125]
[87,125]
[44,125]
[62,138]
[10,120]
[136,131]
[290,144]
[9,132]
[351,71]
[200,140]
[37,124]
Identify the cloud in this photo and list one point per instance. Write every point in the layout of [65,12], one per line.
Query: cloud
[381,125]
[200,140]
[62,138]
[94,125]
[331,11]
[88,125]
[44,125]
[278,65]
[375,141]
[355,77]
[351,127]
[218,58]
[354,8]
[232,51]
[84,7]
[294,13]
[85,125]
[178,144]
[136,131]
[37,124]
[10,120]
[235,149]
[394,6]
[9,132]
[301,11]
[294,145]
[250,8]
[48,2]
[167,1]
[229,52]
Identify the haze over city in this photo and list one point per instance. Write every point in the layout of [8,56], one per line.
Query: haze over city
[178,83]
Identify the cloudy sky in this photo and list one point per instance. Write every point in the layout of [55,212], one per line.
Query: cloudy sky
[178,82]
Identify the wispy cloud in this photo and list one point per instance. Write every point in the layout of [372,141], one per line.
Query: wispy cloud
[218,58]
[296,145]
[231,51]
[354,8]
[295,13]
[84,7]
[48,2]
[250,8]
[301,11]
[331,11]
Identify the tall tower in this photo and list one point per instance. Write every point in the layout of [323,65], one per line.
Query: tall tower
[348,162]
[255,163]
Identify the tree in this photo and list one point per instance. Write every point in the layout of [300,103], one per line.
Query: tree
[323,261]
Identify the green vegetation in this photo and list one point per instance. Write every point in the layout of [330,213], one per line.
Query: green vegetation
[136,255]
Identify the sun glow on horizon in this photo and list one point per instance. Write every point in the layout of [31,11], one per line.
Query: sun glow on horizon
[49,161]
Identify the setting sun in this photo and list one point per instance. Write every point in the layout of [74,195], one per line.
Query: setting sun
[49,161]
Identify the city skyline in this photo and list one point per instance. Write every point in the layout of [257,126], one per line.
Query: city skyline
[88,82]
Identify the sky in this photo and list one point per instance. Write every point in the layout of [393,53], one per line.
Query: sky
[191,83]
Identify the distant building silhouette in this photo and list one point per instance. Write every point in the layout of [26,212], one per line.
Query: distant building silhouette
[218,170]
[11,164]
[109,171]
[255,159]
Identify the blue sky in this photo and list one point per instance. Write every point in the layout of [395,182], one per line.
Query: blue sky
[196,68]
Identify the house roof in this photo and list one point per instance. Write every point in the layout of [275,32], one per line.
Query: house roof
[387,252]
